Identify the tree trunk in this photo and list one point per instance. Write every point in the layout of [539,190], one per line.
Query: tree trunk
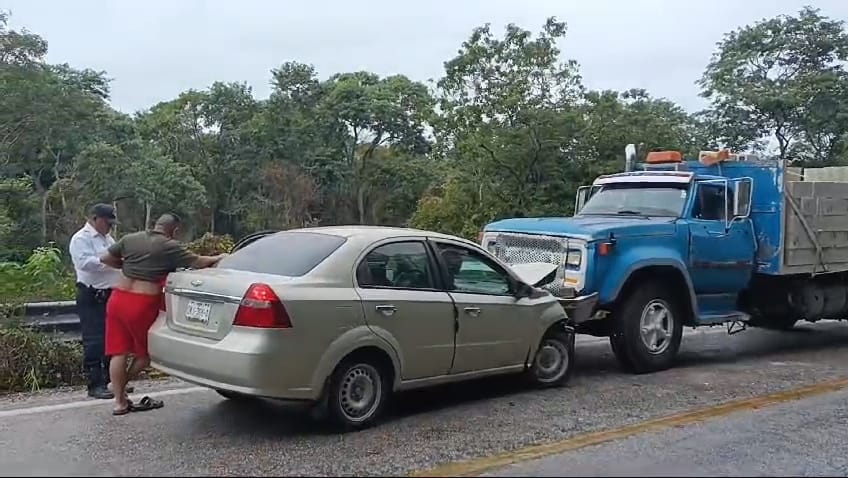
[147,212]
[42,193]
[115,205]
[44,217]
[360,203]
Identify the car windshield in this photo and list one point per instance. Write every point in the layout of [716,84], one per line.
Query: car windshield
[642,199]
[290,254]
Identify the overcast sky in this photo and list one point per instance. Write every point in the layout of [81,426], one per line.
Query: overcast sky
[154,49]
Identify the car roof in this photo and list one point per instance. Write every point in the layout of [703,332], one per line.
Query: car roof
[376,232]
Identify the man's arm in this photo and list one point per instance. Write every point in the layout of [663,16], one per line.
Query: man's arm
[181,257]
[113,256]
[83,254]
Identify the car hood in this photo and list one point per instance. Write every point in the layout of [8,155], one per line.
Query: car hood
[586,227]
[535,273]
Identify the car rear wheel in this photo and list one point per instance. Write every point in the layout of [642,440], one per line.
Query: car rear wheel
[357,393]
[554,361]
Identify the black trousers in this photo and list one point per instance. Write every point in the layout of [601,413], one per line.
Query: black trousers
[91,308]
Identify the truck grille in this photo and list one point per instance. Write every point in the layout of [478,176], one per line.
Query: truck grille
[514,248]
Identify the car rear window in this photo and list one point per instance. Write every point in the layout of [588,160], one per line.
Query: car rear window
[284,253]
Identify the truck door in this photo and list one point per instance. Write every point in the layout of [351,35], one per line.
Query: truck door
[721,244]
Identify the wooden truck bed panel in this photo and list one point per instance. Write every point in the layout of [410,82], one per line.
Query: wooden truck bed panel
[815,209]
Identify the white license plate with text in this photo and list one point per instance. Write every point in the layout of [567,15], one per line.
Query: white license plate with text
[198,312]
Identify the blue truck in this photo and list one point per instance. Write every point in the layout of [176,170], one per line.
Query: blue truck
[732,240]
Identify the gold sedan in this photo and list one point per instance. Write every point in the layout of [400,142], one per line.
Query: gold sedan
[344,316]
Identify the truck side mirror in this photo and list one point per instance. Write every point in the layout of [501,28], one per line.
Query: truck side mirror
[583,195]
[742,197]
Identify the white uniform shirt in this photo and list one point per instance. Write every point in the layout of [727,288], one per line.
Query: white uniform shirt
[86,247]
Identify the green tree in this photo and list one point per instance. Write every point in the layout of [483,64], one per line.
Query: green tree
[771,79]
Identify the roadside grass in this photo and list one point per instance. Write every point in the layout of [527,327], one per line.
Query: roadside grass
[33,360]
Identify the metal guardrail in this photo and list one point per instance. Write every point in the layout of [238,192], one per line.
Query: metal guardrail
[53,316]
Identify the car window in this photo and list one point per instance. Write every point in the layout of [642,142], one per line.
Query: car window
[471,273]
[710,203]
[290,254]
[403,265]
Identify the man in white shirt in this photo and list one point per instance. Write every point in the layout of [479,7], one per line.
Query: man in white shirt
[94,284]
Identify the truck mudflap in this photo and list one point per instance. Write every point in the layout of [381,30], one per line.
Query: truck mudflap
[580,308]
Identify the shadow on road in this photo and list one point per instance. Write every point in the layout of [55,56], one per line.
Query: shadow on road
[595,361]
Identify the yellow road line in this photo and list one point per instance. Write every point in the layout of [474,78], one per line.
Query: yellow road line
[483,464]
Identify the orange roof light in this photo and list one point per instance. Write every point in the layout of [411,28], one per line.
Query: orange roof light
[660,157]
[708,158]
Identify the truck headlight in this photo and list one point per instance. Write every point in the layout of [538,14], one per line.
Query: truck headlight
[573,259]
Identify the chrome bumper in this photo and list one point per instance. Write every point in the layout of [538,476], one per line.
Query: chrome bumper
[579,308]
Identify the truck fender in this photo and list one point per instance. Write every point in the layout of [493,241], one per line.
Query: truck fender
[610,293]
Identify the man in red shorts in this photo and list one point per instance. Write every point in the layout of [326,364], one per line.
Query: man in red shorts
[145,259]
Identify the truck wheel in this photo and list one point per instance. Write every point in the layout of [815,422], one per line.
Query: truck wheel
[649,328]
[617,346]
[775,322]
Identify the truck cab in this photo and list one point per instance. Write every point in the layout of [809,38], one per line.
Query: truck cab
[668,244]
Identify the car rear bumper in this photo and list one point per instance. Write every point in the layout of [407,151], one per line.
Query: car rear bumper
[580,308]
[248,361]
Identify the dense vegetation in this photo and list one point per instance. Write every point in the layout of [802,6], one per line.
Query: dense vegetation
[508,129]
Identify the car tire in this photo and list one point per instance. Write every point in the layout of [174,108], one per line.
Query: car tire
[553,363]
[357,393]
[235,396]
[649,328]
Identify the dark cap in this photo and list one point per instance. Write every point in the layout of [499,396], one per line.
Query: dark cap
[104,211]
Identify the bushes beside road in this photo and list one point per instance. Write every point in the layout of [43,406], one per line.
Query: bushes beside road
[29,359]
[32,360]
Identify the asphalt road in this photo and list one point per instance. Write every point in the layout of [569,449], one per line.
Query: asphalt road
[801,438]
[200,433]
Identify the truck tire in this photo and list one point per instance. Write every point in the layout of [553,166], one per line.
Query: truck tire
[649,328]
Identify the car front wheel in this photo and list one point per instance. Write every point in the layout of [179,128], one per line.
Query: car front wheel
[554,361]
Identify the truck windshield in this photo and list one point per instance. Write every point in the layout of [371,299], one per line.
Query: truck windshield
[644,199]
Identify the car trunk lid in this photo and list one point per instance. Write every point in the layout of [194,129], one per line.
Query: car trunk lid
[204,302]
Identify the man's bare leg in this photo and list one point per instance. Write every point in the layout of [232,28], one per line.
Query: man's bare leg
[136,367]
[118,373]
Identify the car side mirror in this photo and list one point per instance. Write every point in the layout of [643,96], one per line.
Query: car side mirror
[522,290]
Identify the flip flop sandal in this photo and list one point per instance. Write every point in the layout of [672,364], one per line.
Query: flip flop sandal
[146,404]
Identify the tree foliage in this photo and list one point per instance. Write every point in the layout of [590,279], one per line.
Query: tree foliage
[509,129]
[784,78]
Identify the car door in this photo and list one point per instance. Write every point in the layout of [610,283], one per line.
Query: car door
[721,252]
[396,281]
[493,327]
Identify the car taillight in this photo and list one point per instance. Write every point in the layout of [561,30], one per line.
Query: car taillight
[260,307]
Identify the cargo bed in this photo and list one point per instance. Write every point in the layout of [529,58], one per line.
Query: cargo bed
[815,220]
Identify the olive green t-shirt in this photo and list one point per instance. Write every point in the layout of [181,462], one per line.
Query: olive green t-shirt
[150,255]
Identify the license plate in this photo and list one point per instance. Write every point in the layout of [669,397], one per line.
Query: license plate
[198,312]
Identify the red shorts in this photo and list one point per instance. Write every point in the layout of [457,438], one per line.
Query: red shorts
[129,316]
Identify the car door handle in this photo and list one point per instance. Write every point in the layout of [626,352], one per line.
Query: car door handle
[472,311]
[387,310]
